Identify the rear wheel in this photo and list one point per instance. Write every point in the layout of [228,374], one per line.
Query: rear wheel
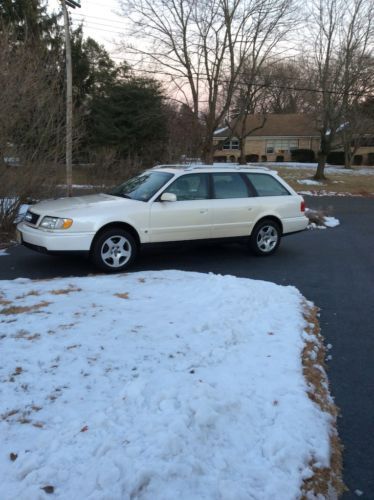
[265,237]
[114,250]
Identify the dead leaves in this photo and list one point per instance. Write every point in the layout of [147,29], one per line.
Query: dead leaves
[65,291]
[122,295]
[24,309]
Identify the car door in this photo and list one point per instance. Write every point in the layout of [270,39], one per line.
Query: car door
[234,205]
[187,218]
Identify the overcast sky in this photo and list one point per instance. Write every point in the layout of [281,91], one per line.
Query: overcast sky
[99,20]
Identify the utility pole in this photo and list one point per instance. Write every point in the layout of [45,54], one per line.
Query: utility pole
[69,96]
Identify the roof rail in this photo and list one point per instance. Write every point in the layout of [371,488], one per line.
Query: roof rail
[222,165]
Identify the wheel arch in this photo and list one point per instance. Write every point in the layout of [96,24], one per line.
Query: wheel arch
[269,217]
[117,224]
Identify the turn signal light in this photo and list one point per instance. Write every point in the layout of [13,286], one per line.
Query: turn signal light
[67,223]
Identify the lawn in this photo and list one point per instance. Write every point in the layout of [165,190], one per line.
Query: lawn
[163,385]
[340,181]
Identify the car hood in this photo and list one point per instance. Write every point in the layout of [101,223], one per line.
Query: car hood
[66,205]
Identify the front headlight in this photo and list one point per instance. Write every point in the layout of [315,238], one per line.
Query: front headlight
[56,223]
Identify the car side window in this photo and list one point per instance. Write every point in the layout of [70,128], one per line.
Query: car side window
[229,185]
[267,185]
[190,187]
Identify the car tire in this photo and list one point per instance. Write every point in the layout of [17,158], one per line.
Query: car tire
[114,250]
[265,237]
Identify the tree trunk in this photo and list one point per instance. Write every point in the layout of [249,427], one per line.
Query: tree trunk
[242,159]
[320,172]
[347,156]
[208,151]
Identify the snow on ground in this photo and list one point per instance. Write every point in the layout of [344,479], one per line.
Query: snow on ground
[331,222]
[329,193]
[309,182]
[81,186]
[155,385]
[3,252]
[332,169]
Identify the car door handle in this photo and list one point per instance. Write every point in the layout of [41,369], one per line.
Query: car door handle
[204,211]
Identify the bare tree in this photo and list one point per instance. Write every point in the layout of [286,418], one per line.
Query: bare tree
[31,125]
[285,83]
[202,46]
[341,33]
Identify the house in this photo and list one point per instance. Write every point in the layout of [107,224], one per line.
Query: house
[280,135]
[362,148]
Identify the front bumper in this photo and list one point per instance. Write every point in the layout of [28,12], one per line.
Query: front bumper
[56,241]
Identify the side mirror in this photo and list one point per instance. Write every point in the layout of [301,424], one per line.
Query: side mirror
[168,197]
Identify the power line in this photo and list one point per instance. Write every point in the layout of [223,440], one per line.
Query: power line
[242,82]
[84,16]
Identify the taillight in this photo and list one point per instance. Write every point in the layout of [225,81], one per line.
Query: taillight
[302,206]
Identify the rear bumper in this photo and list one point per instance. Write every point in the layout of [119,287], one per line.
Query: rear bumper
[50,242]
[294,224]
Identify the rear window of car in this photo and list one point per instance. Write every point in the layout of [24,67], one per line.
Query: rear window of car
[267,185]
[229,185]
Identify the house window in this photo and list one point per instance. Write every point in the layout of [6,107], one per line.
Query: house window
[284,145]
[231,144]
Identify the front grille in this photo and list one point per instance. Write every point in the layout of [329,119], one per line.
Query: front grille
[31,218]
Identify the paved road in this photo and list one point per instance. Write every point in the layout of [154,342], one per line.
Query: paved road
[332,267]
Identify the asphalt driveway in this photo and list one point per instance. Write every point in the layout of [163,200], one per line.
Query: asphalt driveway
[333,267]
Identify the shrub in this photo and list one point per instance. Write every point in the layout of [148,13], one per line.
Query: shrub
[279,158]
[264,158]
[220,159]
[370,159]
[251,158]
[336,158]
[357,160]
[303,155]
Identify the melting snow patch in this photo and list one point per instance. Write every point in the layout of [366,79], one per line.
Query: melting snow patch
[331,222]
[3,252]
[155,385]
[309,182]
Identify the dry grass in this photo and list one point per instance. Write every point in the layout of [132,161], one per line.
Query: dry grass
[335,183]
[24,334]
[122,295]
[24,309]
[4,302]
[65,291]
[327,481]
[28,294]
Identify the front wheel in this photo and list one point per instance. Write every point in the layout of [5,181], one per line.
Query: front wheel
[114,250]
[265,237]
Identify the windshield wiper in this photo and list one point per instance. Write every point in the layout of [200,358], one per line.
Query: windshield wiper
[121,195]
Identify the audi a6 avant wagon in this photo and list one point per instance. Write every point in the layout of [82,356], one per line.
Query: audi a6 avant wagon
[168,204]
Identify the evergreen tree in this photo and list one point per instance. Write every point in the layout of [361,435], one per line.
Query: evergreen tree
[29,21]
[130,117]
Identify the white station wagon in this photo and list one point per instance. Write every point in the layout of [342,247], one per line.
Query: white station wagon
[167,204]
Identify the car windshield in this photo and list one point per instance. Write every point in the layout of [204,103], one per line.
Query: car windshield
[143,186]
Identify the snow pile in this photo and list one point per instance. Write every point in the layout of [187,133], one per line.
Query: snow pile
[3,252]
[331,222]
[318,220]
[155,385]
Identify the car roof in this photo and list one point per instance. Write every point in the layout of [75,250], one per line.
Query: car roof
[183,168]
